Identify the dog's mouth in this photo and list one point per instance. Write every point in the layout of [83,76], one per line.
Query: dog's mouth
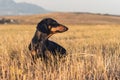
[59,29]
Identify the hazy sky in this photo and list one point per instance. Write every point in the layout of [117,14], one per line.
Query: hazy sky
[96,6]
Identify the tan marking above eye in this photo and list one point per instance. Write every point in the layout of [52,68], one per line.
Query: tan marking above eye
[49,27]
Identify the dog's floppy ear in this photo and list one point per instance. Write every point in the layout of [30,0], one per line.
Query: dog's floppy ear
[34,42]
[43,27]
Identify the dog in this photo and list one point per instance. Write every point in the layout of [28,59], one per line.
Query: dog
[40,44]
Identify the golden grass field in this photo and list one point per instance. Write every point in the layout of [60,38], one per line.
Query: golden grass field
[93,53]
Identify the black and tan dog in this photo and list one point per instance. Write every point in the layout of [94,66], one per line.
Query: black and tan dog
[40,45]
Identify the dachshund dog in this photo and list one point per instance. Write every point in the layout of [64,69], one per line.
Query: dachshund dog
[40,45]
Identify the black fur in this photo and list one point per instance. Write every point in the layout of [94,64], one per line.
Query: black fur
[40,43]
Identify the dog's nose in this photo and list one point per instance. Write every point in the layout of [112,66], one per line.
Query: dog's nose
[65,28]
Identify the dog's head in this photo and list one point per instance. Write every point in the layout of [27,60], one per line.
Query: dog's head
[50,26]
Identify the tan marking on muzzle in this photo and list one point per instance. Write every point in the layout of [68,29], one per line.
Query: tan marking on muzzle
[58,29]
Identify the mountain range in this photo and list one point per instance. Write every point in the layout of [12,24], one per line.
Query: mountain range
[10,7]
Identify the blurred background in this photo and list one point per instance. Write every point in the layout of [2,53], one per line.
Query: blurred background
[66,11]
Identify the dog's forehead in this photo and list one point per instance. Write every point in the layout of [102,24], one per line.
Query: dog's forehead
[50,20]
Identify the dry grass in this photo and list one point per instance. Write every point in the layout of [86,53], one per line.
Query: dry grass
[93,54]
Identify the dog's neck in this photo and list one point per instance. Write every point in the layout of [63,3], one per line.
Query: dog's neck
[42,36]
